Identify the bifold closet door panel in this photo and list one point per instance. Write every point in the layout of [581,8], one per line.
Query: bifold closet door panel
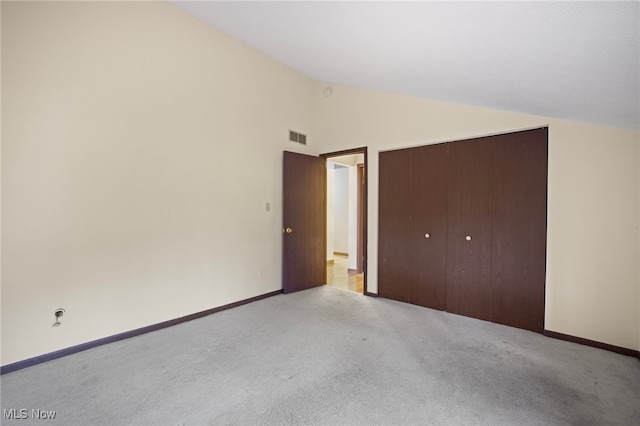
[429,238]
[394,232]
[519,230]
[470,228]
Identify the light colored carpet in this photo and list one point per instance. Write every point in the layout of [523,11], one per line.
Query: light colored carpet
[329,356]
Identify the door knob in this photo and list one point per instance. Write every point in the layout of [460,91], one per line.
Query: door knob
[288,230]
[427,235]
[468,238]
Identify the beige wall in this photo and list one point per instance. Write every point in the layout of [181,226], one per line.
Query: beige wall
[593,286]
[139,149]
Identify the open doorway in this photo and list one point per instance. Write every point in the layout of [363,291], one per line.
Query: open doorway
[347,219]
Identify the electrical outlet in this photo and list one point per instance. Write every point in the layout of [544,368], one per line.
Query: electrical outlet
[58,313]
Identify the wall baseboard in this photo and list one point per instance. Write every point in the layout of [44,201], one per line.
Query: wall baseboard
[593,343]
[126,335]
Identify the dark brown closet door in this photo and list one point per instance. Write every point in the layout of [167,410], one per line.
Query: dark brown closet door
[470,216]
[394,232]
[519,229]
[429,237]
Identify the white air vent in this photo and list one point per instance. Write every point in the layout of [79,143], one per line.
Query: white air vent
[297,137]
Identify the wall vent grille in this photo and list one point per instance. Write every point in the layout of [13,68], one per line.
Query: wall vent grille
[297,137]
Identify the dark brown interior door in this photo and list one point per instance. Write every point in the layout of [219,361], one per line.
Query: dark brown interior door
[304,257]
[519,229]
[429,216]
[470,228]
[394,225]
[413,225]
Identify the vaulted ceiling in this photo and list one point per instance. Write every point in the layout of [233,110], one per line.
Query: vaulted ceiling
[578,61]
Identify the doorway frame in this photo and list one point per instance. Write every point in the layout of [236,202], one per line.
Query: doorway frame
[364,228]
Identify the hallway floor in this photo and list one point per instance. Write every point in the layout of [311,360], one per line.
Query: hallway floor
[338,275]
